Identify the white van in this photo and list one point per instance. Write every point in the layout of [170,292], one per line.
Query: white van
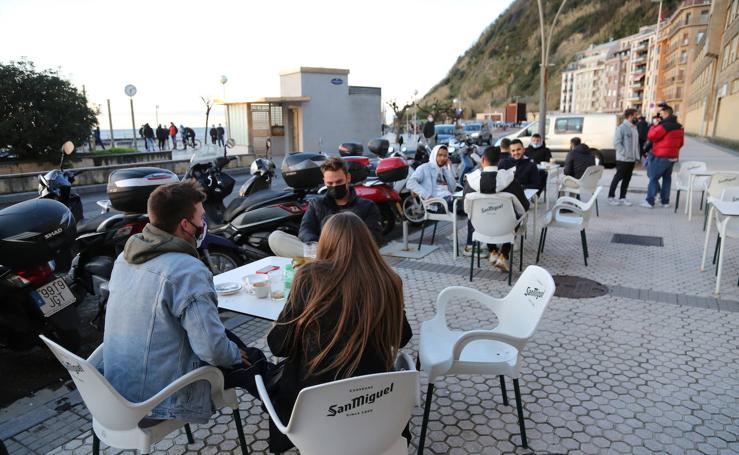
[595,130]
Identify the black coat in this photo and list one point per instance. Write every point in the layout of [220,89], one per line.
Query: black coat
[527,174]
[578,159]
[295,372]
[540,155]
[323,207]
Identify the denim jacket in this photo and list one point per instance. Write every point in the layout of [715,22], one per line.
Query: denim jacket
[161,323]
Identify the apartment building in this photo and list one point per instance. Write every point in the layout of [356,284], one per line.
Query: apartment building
[679,41]
[566,103]
[585,79]
[616,72]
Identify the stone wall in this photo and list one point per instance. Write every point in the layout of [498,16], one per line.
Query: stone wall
[82,161]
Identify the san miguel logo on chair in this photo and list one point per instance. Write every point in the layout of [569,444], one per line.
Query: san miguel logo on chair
[727,180]
[358,402]
[492,208]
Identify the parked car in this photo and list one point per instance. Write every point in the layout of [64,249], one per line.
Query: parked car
[479,133]
[595,130]
[444,133]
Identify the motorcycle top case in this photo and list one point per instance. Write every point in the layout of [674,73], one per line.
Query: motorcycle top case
[379,147]
[392,169]
[302,170]
[351,149]
[34,232]
[129,189]
[358,167]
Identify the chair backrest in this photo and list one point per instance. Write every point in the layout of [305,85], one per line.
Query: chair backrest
[106,405]
[590,178]
[492,215]
[683,171]
[363,415]
[523,307]
[730,194]
[721,181]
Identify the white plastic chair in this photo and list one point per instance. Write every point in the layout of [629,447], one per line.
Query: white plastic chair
[719,182]
[583,186]
[486,352]
[569,213]
[728,227]
[122,424]
[435,209]
[494,217]
[364,415]
[682,170]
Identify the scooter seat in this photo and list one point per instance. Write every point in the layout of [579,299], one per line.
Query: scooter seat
[258,199]
[87,225]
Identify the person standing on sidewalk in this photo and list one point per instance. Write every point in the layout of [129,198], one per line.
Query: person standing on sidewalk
[173,135]
[667,138]
[626,143]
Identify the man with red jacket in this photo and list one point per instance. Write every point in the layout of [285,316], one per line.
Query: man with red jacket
[667,139]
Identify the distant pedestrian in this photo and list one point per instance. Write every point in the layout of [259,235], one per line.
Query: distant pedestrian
[667,140]
[643,128]
[98,140]
[149,137]
[626,143]
[429,131]
[221,135]
[183,134]
[161,134]
[213,134]
[173,135]
[190,133]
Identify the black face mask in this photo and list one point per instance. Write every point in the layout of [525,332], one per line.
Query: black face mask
[337,192]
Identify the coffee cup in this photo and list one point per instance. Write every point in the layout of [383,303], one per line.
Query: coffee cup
[259,284]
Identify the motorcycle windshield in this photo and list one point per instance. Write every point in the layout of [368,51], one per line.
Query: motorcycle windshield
[205,155]
[56,180]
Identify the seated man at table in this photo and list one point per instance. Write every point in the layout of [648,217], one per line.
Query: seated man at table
[340,196]
[492,180]
[526,173]
[578,158]
[435,178]
[162,314]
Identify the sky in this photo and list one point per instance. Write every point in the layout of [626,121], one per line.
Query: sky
[174,52]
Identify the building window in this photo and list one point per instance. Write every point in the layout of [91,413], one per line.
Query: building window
[704,15]
[687,18]
[685,39]
[683,56]
[699,37]
[568,125]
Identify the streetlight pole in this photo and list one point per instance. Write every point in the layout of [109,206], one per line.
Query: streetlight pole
[157,114]
[546,41]
[110,125]
[224,79]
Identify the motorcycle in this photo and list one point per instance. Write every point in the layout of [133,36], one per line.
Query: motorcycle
[37,296]
[57,185]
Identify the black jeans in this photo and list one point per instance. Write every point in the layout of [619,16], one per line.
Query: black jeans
[624,169]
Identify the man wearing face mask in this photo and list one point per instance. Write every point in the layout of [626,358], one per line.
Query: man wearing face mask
[162,318]
[537,151]
[339,197]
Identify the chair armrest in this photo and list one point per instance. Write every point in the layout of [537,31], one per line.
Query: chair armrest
[435,200]
[404,362]
[207,373]
[564,206]
[570,201]
[264,396]
[490,335]
[450,292]
[96,358]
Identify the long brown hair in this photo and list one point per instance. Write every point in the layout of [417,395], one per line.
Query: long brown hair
[350,279]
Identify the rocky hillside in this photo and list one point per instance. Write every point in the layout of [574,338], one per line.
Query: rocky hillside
[504,63]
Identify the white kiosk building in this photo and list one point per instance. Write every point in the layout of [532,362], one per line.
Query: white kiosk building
[316,111]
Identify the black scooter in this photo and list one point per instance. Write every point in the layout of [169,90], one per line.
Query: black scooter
[57,185]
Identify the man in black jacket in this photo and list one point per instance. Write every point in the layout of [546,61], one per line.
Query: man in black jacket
[527,174]
[489,179]
[339,197]
[578,159]
[537,151]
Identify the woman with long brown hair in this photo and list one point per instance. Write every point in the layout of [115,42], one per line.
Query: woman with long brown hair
[344,316]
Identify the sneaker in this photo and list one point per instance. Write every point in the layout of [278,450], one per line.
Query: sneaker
[613,201]
[502,264]
[646,205]
[665,206]
[467,251]
[493,258]
[625,202]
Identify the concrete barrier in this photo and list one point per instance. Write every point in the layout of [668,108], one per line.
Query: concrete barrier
[83,161]
[26,182]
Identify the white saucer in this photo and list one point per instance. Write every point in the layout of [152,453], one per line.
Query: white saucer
[228,288]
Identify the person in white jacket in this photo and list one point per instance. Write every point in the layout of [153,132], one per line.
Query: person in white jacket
[488,180]
[435,178]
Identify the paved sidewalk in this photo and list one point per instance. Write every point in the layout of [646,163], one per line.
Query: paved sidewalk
[650,367]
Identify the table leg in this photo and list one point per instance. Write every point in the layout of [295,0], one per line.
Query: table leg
[536,215]
[705,242]
[689,204]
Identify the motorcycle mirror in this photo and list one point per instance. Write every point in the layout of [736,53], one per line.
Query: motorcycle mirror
[391,149]
[68,148]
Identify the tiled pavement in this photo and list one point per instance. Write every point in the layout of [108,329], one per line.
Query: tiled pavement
[651,367]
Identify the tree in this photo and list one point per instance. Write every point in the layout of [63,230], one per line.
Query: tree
[208,106]
[399,114]
[39,111]
[442,111]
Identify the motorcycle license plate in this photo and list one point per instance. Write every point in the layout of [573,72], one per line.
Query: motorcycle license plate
[53,296]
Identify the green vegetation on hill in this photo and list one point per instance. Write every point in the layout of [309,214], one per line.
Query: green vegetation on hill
[504,63]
